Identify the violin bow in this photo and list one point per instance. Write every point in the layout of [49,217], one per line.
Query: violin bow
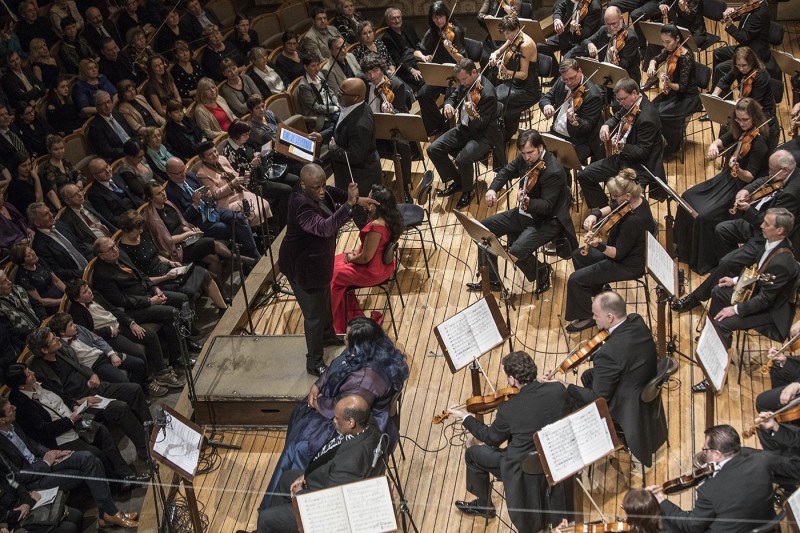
[741,83]
[441,32]
[666,61]
[728,149]
[521,178]
[665,18]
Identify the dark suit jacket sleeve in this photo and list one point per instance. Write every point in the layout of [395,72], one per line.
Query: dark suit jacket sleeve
[512,170]
[347,466]
[105,284]
[552,182]
[696,520]
[589,113]
[753,26]
[487,108]
[50,255]
[554,96]
[784,268]
[359,141]
[560,10]
[787,437]
[629,56]
[36,422]
[607,373]
[98,139]
[493,435]
[647,135]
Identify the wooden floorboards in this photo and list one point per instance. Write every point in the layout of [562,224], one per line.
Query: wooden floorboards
[433,471]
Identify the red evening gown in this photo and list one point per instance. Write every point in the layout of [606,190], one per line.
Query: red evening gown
[353,275]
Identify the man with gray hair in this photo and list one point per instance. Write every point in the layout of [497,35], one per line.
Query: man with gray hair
[56,245]
[108,130]
[109,195]
[19,313]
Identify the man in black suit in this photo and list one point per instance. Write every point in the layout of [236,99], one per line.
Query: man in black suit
[752,31]
[640,146]
[10,142]
[570,29]
[542,214]
[109,194]
[746,230]
[474,136]
[515,423]
[31,26]
[108,130]
[401,40]
[117,66]
[81,217]
[196,19]
[581,125]
[59,370]
[98,29]
[216,222]
[346,458]
[56,245]
[622,368]
[602,47]
[31,463]
[306,255]
[739,496]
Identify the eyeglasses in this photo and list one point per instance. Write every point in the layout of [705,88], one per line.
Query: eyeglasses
[706,450]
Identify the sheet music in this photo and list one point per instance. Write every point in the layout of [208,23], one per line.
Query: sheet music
[301,154]
[660,264]
[560,449]
[180,444]
[794,503]
[481,322]
[369,506]
[713,355]
[470,333]
[47,497]
[591,434]
[323,511]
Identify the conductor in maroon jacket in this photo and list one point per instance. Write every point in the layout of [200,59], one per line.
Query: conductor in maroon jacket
[316,212]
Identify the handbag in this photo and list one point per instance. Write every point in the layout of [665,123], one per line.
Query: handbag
[49,515]
[87,428]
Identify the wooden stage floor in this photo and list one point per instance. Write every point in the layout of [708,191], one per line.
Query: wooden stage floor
[433,472]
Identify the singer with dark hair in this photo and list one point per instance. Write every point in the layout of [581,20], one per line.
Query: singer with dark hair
[370,367]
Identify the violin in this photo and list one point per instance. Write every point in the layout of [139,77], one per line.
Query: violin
[506,6]
[449,34]
[597,527]
[788,413]
[532,176]
[767,188]
[617,44]
[384,91]
[582,352]
[509,54]
[743,146]
[618,139]
[690,480]
[672,64]
[743,10]
[481,404]
[604,225]
[578,15]
[475,97]
[746,85]
[792,345]
[576,103]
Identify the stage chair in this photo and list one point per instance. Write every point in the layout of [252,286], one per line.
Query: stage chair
[777,92]
[414,216]
[389,254]
[473,49]
[295,17]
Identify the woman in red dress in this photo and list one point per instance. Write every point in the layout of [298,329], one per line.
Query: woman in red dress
[365,267]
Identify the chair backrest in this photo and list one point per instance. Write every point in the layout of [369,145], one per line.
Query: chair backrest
[293,92]
[116,164]
[197,54]
[473,49]
[777,90]
[544,64]
[424,193]
[142,207]
[64,305]
[266,26]
[193,163]
[87,272]
[75,147]
[221,144]
[390,252]
[380,31]
[273,56]
[775,34]
[11,271]
[225,10]
[703,75]
[282,105]
[713,9]
[295,17]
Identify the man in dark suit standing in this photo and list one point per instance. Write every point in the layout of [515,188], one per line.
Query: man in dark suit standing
[346,458]
[109,194]
[108,130]
[81,217]
[316,213]
[56,245]
[637,145]
[739,496]
[515,424]
[474,136]
[579,125]
[622,367]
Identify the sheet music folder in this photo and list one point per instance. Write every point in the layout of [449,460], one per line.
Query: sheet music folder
[713,357]
[471,333]
[564,150]
[180,433]
[295,144]
[579,439]
[605,74]
[792,508]
[652,34]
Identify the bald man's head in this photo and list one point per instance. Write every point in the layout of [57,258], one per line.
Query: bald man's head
[312,181]
[351,414]
[353,91]
[176,170]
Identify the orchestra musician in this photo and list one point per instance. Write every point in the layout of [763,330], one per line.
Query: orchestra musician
[738,497]
[474,105]
[542,214]
[679,97]
[621,258]
[442,43]
[635,133]
[572,22]
[612,43]
[577,118]
[777,437]
[784,376]
[514,423]
[623,365]
[752,31]
[642,510]
[686,14]
[746,144]
[518,78]
[746,230]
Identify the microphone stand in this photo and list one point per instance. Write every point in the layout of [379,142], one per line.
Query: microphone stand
[402,506]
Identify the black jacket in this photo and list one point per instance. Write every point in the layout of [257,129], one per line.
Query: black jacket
[590,114]
[753,31]
[629,57]
[644,144]
[102,138]
[109,204]
[355,137]
[122,289]
[95,38]
[35,419]
[83,233]
[57,257]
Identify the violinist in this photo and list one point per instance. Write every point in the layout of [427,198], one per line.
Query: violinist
[746,230]
[576,106]
[442,43]
[784,376]
[572,22]
[518,81]
[777,436]
[514,424]
[686,14]
[542,214]
[635,133]
[621,258]
[622,367]
[397,99]
[642,510]
[738,497]
[746,146]
[613,43]
[752,31]
[474,105]
[679,96]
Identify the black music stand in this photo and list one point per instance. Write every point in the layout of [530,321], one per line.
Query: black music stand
[605,74]
[563,150]
[437,75]
[788,64]
[669,220]
[399,127]
[719,110]
[533,28]
[652,34]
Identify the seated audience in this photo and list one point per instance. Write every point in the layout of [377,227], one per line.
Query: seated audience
[197,19]
[316,99]
[135,108]
[134,16]
[55,244]
[217,49]
[243,37]
[62,9]
[211,113]
[19,314]
[25,186]
[30,25]
[137,50]
[289,64]
[74,47]
[181,133]
[17,501]
[186,72]
[43,65]
[109,194]
[90,82]
[237,87]
[13,226]
[155,152]
[10,142]
[61,112]
[116,65]
[32,130]
[134,169]
[108,130]
[56,170]
[160,87]
[98,29]
[170,33]
[19,82]
[267,80]
[81,218]
[36,278]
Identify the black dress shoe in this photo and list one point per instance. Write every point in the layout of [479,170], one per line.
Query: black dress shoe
[579,325]
[194,346]
[704,118]
[333,341]
[316,370]
[465,200]
[137,479]
[408,198]
[450,190]
[684,304]
[474,508]
[700,387]
[543,283]
[478,286]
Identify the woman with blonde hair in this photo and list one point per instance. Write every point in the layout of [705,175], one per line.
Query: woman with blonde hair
[44,65]
[134,107]
[212,113]
[136,48]
[620,258]
[89,82]
[155,152]
[237,88]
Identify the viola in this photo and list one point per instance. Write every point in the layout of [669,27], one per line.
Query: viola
[597,527]
[581,10]
[788,413]
[384,91]
[482,404]
[532,176]
[791,345]
[690,480]
[604,225]
[582,352]
[744,9]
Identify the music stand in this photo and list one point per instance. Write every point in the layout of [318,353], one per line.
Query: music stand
[399,127]
[788,64]
[563,150]
[719,110]
[492,24]
[605,74]
[714,360]
[437,75]
[652,34]
[294,151]
[669,220]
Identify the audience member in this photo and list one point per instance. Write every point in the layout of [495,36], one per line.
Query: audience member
[267,80]
[43,65]
[212,114]
[217,49]
[243,38]
[20,84]
[98,29]
[135,108]
[289,64]
[108,130]
[181,133]
[237,87]
[90,82]
[160,87]
[74,47]
[56,170]
[186,72]
[117,66]
[60,111]
[36,278]
[55,243]
[109,194]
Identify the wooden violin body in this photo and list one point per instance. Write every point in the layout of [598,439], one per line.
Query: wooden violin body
[604,225]
[582,352]
[789,413]
[482,404]
[791,345]
[688,481]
